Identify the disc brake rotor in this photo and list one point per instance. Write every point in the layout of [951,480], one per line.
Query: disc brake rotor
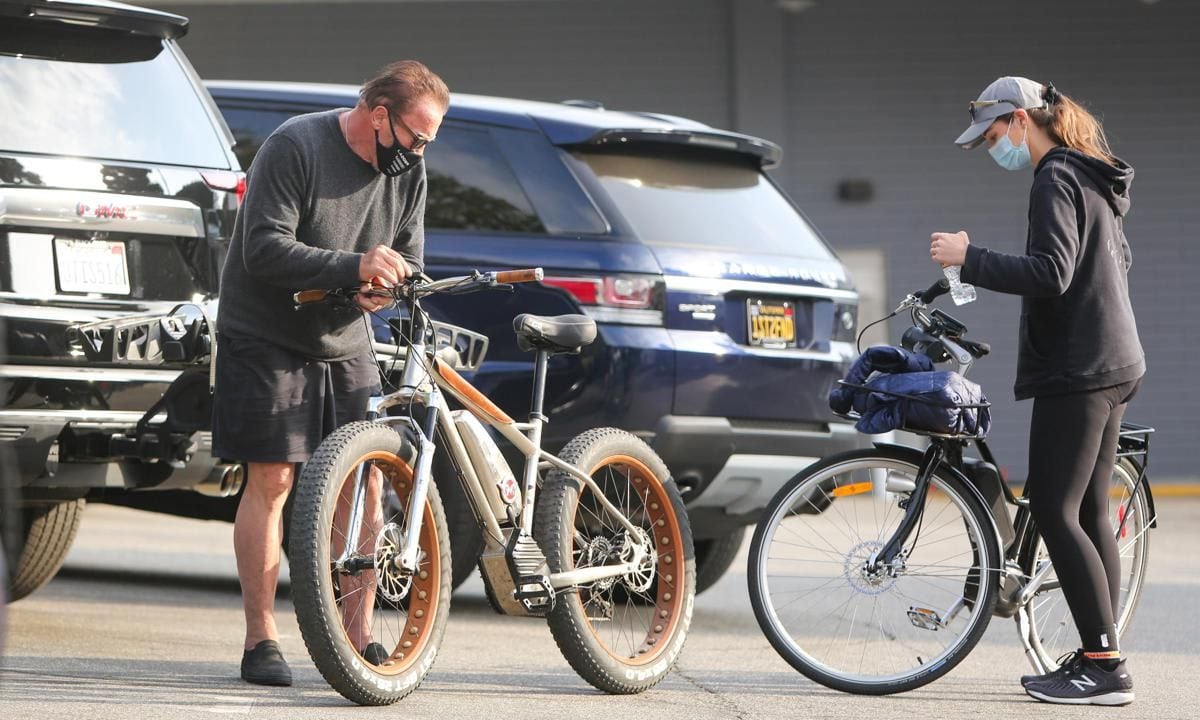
[389,544]
[642,576]
[861,578]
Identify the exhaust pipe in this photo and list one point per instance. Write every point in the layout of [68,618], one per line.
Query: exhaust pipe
[225,480]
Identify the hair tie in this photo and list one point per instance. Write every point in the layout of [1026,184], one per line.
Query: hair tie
[1050,94]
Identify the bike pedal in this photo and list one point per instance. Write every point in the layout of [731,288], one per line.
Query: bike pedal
[535,593]
[925,618]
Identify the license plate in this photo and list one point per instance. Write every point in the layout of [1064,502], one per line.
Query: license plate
[772,323]
[91,266]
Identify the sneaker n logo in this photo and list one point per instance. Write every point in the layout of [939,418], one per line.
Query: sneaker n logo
[1083,683]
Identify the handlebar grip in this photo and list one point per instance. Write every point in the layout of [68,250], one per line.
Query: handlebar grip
[934,291]
[304,297]
[978,349]
[519,276]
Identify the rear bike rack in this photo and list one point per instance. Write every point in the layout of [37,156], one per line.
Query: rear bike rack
[1134,442]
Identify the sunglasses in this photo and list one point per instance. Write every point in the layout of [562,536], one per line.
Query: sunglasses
[419,140]
[976,105]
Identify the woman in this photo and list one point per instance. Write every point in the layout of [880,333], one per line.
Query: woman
[1080,358]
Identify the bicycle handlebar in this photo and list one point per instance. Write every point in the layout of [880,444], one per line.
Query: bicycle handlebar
[306,297]
[978,349]
[419,286]
[938,327]
[934,291]
[518,276]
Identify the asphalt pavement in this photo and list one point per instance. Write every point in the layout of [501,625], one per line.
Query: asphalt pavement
[145,622]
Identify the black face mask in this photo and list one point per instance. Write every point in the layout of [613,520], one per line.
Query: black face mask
[396,160]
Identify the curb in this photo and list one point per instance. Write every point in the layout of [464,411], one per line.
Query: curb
[1175,490]
[1160,490]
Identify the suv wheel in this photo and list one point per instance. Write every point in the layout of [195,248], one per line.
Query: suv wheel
[714,556]
[49,531]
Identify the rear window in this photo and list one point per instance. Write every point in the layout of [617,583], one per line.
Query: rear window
[703,200]
[100,94]
[251,126]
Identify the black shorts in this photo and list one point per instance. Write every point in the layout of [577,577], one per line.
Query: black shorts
[272,405]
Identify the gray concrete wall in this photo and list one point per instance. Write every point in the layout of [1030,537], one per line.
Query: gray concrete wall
[665,56]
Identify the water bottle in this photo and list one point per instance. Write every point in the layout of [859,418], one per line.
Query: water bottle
[960,292]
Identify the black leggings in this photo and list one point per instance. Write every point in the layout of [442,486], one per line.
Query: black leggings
[1072,450]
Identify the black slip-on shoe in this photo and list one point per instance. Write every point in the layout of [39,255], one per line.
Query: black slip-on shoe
[375,654]
[1085,684]
[264,665]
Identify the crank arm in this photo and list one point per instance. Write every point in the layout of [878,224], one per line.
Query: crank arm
[1023,629]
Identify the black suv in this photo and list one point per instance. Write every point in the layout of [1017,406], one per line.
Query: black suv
[118,189]
[724,319]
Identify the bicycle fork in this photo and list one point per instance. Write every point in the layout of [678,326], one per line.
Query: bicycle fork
[416,500]
[914,507]
[912,510]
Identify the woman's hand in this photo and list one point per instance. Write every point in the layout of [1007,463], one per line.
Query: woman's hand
[949,248]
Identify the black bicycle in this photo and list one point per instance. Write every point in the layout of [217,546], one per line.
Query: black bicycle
[876,571]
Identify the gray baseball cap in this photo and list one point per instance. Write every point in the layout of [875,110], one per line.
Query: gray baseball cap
[998,99]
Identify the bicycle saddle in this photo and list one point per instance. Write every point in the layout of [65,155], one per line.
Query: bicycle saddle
[561,333]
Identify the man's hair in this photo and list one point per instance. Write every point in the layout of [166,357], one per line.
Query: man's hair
[402,84]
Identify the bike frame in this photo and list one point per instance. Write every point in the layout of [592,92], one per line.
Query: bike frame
[427,380]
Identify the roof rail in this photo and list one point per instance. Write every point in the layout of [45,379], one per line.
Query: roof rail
[591,104]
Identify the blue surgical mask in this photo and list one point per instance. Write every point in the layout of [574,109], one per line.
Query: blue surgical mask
[1009,156]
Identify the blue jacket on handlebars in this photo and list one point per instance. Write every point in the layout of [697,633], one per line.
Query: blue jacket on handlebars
[906,393]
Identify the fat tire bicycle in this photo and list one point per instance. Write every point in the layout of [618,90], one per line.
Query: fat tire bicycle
[596,540]
[877,571]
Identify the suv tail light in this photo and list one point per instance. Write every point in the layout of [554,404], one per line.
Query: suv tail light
[621,299]
[227,180]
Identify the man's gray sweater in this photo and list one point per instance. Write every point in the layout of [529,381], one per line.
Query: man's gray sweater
[312,208]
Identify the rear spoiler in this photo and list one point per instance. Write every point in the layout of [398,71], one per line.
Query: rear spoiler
[768,153]
[100,13]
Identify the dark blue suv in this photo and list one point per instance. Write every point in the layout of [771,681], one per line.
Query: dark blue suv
[724,318]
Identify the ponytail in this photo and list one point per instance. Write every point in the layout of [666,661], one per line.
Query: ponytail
[1070,125]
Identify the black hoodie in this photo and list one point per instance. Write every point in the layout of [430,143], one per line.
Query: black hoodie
[1077,326]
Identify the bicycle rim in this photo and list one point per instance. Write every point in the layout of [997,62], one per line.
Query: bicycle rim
[872,631]
[379,605]
[631,616]
[1052,632]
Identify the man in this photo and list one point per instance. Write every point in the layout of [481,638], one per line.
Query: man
[334,199]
